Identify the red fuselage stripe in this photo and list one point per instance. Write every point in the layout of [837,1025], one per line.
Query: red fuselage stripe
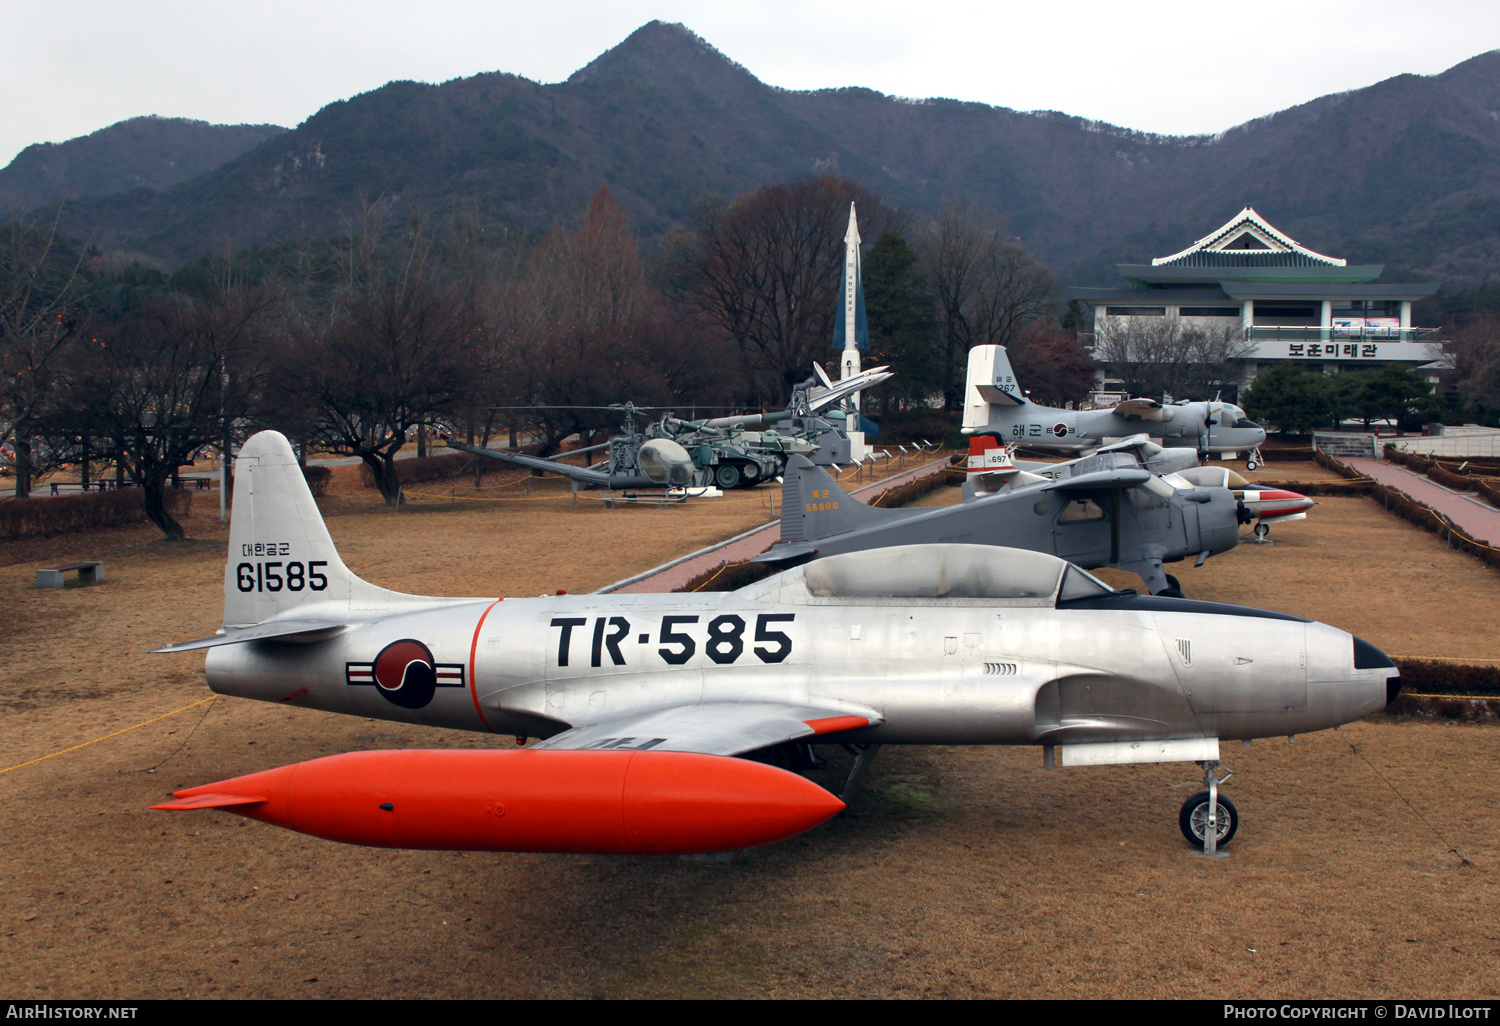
[473,650]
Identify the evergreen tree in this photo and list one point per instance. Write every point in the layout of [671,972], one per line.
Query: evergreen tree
[1293,400]
[903,324]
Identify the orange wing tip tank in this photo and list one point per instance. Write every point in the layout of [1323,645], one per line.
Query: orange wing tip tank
[600,803]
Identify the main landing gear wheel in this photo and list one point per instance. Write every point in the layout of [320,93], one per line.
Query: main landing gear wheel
[1262,529]
[1193,819]
[1174,584]
[727,476]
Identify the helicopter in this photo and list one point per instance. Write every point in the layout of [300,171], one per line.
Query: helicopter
[737,451]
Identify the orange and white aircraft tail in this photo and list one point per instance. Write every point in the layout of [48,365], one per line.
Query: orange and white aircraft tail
[988,455]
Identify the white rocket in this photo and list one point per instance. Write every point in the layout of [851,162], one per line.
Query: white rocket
[851,328]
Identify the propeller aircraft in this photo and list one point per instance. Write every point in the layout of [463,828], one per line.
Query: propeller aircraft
[1108,509]
[649,705]
[995,404]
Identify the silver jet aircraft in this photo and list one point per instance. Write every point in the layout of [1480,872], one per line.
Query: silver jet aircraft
[995,404]
[645,701]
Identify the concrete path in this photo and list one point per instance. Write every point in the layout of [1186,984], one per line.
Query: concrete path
[1479,518]
[752,543]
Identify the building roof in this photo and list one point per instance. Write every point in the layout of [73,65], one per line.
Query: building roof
[1318,290]
[1148,276]
[1154,297]
[1247,240]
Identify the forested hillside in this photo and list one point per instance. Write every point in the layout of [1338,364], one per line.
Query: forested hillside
[1405,172]
[150,151]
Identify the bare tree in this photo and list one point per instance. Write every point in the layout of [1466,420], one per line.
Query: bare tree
[37,278]
[151,384]
[765,271]
[1476,352]
[581,318]
[1157,356]
[388,362]
[988,290]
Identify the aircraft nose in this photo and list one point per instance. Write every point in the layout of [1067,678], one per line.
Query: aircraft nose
[1368,657]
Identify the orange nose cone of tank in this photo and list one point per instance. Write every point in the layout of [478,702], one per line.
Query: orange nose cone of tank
[684,803]
[660,803]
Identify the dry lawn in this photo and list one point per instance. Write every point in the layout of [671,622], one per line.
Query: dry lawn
[958,873]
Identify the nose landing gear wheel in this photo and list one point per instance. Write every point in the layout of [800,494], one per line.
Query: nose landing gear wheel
[1193,819]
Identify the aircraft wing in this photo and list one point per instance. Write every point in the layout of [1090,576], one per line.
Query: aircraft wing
[1146,409]
[259,632]
[714,728]
[1121,477]
[535,463]
[1128,443]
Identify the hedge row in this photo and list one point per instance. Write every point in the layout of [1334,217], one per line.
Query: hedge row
[1445,707]
[317,479]
[729,577]
[65,514]
[1481,466]
[1417,513]
[1435,690]
[910,492]
[1435,677]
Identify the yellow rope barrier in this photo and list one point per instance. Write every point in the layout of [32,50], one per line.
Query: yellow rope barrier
[716,575]
[106,737]
[1471,698]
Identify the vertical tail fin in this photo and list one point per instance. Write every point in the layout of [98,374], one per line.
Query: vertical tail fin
[814,506]
[281,556]
[991,382]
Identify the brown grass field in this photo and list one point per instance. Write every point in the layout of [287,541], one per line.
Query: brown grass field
[959,872]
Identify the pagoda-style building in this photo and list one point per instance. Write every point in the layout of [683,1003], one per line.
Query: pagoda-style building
[1284,301]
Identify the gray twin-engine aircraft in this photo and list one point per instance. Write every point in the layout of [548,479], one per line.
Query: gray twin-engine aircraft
[995,404]
[1108,509]
[647,702]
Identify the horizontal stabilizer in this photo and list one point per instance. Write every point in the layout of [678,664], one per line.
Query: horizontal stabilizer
[260,632]
[211,801]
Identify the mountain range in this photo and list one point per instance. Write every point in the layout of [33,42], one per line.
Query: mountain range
[148,152]
[1404,172]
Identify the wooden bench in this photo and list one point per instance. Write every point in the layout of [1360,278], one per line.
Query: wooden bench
[89,572]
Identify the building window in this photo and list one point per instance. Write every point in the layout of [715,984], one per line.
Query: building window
[1296,314]
[1210,311]
[1135,311]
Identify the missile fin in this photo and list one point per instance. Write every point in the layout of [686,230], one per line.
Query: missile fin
[211,801]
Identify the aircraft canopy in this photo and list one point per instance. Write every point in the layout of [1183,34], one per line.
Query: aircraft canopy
[937,572]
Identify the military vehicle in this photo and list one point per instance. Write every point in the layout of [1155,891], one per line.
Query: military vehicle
[725,452]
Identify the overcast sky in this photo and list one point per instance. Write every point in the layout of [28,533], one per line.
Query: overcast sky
[74,66]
